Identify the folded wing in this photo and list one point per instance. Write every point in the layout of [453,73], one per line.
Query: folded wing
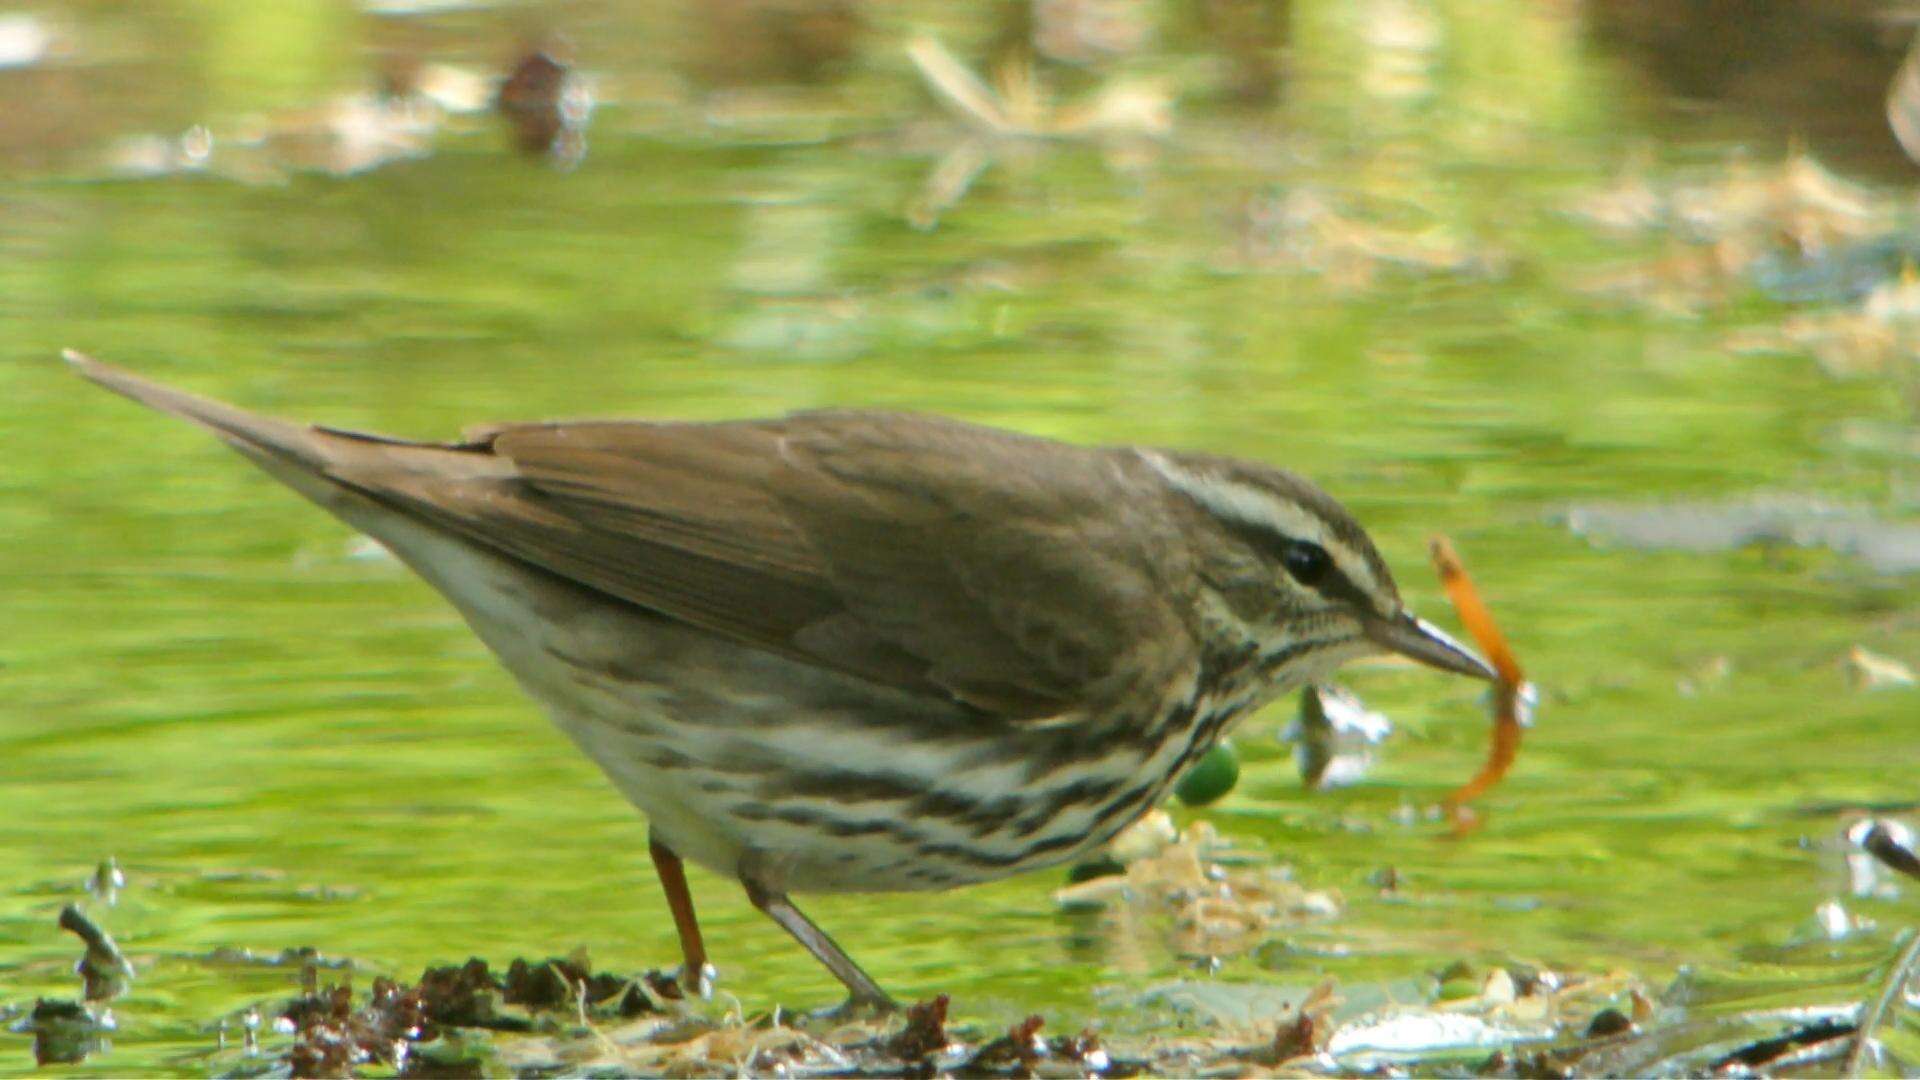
[919,553]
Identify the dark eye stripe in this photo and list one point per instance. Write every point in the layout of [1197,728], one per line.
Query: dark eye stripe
[1332,583]
[1337,586]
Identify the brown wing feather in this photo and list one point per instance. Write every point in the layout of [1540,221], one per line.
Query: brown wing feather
[1022,577]
[918,553]
[1025,573]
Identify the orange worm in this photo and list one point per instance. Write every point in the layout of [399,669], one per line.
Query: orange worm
[1505,744]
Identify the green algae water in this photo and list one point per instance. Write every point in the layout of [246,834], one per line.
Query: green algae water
[1349,244]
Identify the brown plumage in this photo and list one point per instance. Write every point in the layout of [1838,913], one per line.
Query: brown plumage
[849,650]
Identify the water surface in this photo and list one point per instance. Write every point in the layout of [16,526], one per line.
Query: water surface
[287,742]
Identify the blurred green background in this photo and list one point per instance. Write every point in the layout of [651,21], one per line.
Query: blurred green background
[1468,264]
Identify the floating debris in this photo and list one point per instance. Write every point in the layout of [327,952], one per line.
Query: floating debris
[303,957]
[1799,203]
[1800,521]
[1868,1050]
[1780,226]
[926,1032]
[1833,922]
[1847,1005]
[1743,1022]
[1019,106]
[1021,1046]
[566,983]
[1679,283]
[455,90]
[1206,898]
[349,135]
[546,106]
[394,119]
[1333,736]
[1867,670]
[396,1023]
[1306,230]
[1803,1046]
[1152,834]
[332,1038]
[1409,1037]
[162,155]
[1309,1031]
[352,134]
[1880,337]
[64,1032]
[466,996]
[1209,779]
[1629,204]
[1123,113]
[103,970]
[106,881]
[1608,1023]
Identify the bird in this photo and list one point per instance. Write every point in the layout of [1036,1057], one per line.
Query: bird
[860,651]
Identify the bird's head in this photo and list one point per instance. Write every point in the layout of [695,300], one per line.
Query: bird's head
[1296,574]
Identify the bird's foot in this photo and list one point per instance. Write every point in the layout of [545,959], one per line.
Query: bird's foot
[697,982]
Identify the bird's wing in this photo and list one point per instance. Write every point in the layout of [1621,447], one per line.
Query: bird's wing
[1023,578]
[923,554]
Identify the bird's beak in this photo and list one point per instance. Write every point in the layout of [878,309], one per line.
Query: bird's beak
[1420,640]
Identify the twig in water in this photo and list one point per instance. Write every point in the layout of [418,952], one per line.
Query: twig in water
[1897,976]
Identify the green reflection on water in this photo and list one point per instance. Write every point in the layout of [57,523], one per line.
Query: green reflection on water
[287,744]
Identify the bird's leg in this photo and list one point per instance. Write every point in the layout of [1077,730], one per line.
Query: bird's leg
[695,974]
[866,994]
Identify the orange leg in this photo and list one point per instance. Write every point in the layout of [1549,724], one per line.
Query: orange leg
[697,974]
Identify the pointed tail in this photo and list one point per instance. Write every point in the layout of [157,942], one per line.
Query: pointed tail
[250,433]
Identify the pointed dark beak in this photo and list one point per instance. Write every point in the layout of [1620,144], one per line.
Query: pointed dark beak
[1420,640]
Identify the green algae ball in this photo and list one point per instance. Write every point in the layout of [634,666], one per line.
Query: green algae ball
[1211,777]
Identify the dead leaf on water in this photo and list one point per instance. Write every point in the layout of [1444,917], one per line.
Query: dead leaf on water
[1311,231]
[1124,117]
[1867,670]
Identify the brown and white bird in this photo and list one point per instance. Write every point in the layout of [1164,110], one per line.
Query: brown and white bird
[861,651]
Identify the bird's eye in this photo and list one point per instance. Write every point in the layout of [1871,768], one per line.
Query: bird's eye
[1308,563]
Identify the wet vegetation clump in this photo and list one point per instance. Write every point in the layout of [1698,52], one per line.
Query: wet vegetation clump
[1850,1010]
[335,1035]
[1526,1024]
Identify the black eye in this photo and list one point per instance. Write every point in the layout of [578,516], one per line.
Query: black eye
[1308,563]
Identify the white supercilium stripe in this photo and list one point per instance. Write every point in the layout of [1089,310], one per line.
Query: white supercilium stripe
[1258,507]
